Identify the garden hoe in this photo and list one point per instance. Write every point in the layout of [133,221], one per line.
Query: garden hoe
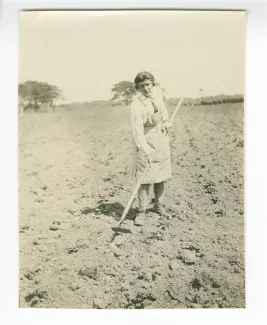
[118,229]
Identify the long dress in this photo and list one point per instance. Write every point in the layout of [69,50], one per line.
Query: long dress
[146,131]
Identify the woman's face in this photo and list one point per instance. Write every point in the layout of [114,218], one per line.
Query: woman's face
[145,87]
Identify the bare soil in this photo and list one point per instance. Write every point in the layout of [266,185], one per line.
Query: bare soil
[74,182]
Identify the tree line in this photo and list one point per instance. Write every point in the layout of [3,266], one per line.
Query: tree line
[34,95]
[209,100]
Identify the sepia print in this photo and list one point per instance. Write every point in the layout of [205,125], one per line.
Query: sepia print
[131,157]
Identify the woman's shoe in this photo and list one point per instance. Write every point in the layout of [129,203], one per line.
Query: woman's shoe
[159,208]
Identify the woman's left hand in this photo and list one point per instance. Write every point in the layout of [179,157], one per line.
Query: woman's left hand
[166,125]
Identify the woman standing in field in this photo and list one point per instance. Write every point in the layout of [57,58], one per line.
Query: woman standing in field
[149,119]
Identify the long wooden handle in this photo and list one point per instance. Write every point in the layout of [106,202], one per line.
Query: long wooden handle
[176,109]
[130,202]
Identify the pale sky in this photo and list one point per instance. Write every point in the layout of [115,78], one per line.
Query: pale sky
[85,53]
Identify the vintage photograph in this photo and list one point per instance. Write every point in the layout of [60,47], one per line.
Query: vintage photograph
[131,159]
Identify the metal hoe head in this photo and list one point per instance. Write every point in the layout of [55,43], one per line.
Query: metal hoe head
[121,230]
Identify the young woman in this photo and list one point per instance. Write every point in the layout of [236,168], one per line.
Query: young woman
[149,119]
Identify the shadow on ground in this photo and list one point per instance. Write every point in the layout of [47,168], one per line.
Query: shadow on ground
[114,210]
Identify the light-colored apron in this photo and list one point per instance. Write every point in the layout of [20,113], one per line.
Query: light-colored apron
[160,169]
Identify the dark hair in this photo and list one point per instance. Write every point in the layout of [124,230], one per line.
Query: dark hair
[142,76]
